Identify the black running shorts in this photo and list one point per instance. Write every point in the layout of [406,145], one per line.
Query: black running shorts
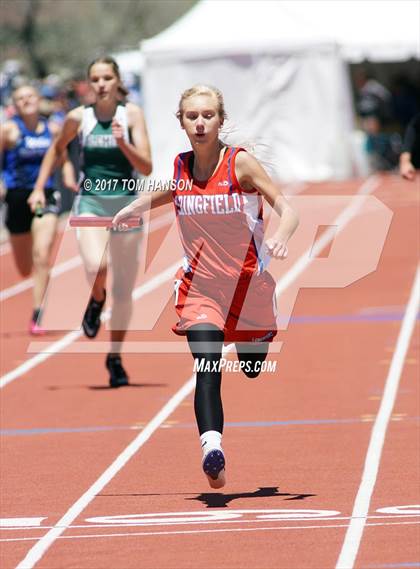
[19,215]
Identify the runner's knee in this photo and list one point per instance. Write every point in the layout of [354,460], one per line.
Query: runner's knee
[40,257]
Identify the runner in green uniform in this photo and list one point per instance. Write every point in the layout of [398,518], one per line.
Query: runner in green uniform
[114,143]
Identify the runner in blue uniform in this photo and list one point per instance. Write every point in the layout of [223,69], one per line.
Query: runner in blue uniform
[24,141]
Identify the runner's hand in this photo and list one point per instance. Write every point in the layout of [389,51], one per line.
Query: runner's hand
[276,248]
[117,131]
[408,171]
[69,181]
[118,222]
[3,191]
[36,199]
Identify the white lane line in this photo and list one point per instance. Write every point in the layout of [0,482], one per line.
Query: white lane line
[26,284]
[336,227]
[76,261]
[128,347]
[7,523]
[355,529]
[71,337]
[39,358]
[188,532]
[28,528]
[6,248]
[40,548]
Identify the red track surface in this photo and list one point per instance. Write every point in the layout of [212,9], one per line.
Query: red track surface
[294,440]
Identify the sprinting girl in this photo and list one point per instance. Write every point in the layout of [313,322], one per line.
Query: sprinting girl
[114,143]
[223,292]
[24,141]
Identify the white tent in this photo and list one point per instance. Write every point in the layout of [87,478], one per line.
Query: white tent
[279,66]
[378,31]
[131,61]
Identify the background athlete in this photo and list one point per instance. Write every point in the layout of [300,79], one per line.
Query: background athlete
[114,143]
[410,154]
[223,292]
[24,141]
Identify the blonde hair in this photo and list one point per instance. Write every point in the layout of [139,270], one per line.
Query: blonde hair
[202,89]
[230,135]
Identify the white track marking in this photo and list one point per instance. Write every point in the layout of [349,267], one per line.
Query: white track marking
[107,525]
[338,224]
[40,548]
[6,248]
[129,347]
[71,337]
[188,532]
[20,522]
[355,529]
[76,261]
[26,284]
[56,347]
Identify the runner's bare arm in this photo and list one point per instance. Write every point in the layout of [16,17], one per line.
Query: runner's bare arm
[138,152]
[251,175]
[407,169]
[5,140]
[67,169]
[8,135]
[54,154]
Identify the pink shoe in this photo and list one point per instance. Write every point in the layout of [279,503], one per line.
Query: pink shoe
[36,330]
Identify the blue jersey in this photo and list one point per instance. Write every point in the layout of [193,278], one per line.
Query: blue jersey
[21,164]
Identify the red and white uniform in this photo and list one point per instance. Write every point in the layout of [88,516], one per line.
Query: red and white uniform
[223,279]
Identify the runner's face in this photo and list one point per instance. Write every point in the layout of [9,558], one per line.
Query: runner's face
[26,101]
[200,119]
[104,82]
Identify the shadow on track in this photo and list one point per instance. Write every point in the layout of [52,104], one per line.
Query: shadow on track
[104,387]
[218,500]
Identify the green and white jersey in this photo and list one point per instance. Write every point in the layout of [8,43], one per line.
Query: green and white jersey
[104,165]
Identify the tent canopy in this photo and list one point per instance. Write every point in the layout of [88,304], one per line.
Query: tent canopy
[386,30]
[280,66]
[230,26]
[131,61]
